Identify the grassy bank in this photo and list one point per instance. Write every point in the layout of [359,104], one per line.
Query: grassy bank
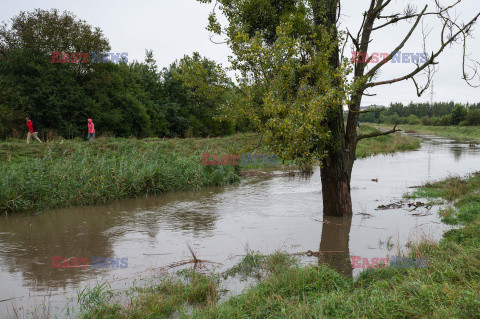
[55,174]
[71,172]
[449,287]
[455,132]
[384,144]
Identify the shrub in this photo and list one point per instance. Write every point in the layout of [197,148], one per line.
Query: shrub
[427,121]
[445,120]
[391,119]
[473,117]
[413,120]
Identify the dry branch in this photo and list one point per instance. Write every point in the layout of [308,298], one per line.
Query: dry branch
[375,134]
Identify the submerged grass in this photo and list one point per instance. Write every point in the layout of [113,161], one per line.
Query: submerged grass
[72,172]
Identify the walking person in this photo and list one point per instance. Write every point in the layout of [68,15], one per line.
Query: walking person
[32,131]
[91,130]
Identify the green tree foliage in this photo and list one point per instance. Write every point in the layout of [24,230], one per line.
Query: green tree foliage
[459,114]
[288,85]
[44,31]
[199,88]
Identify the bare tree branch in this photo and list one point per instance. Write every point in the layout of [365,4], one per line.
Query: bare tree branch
[399,47]
[354,41]
[409,15]
[431,61]
[370,135]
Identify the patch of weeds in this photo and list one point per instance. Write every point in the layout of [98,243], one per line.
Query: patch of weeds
[248,266]
[424,192]
[96,301]
[388,243]
[448,216]
[256,265]
[279,261]
[466,212]
[173,296]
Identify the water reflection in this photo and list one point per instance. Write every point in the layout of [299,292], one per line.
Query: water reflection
[457,152]
[334,249]
[28,243]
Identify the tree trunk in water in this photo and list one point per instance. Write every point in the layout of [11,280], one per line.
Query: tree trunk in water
[335,187]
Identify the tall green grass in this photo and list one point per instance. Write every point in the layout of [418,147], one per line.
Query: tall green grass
[86,175]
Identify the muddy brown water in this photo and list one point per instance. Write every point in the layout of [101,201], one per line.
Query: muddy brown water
[262,214]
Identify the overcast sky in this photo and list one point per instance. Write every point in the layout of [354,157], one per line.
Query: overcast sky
[173,28]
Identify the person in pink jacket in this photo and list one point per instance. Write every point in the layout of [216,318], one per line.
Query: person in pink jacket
[91,130]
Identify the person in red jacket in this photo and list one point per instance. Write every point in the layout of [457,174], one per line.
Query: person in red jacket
[31,131]
[91,130]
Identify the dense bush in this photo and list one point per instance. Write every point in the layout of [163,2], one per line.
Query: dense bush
[473,117]
[413,120]
[445,120]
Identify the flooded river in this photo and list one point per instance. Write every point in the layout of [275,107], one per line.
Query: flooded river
[263,214]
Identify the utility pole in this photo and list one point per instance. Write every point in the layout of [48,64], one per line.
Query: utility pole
[432,93]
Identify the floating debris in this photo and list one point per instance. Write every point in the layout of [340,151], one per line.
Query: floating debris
[365,215]
[396,205]
[419,204]
[400,204]
[421,214]
[416,205]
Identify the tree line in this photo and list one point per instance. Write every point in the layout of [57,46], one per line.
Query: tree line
[436,114]
[123,99]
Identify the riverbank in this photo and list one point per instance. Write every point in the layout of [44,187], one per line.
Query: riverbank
[449,287]
[456,132]
[384,144]
[66,173]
